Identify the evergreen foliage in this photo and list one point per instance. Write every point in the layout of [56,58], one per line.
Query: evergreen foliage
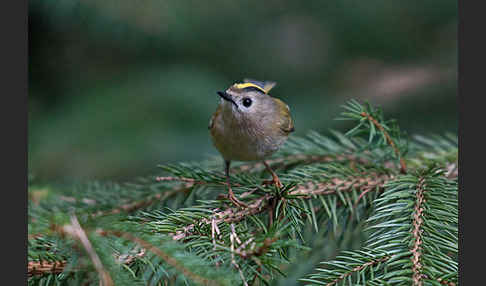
[369,207]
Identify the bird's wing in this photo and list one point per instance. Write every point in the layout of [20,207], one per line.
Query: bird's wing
[216,113]
[286,123]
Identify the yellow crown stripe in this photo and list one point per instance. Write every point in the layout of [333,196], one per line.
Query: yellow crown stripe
[248,84]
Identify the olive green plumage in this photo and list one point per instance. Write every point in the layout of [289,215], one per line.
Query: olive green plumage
[249,133]
[249,124]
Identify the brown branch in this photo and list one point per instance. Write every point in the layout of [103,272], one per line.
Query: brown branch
[76,231]
[403,167]
[189,182]
[35,268]
[305,191]
[42,267]
[335,185]
[357,269]
[127,259]
[233,237]
[229,215]
[259,251]
[34,236]
[445,282]
[441,281]
[417,230]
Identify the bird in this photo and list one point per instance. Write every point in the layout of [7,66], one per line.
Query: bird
[249,125]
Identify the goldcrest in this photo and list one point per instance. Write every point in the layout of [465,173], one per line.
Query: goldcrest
[249,125]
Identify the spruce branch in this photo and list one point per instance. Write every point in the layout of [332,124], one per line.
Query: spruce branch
[75,230]
[133,206]
[175,228]
[171,258]
[445,282]
[371,119]
[229,215]
[166,257]
[316,148]
[355,264]
[333,186]
[415,225]
[417,234]
[308,190]
[439,150]
[36,268]
[403,167]
[43,267]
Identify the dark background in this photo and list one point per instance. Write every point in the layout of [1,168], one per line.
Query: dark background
[117,87]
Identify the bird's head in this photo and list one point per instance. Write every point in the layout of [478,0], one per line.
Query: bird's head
[248,100]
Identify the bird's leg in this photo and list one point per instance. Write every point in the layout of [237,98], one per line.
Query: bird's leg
[275,180]
[231,195]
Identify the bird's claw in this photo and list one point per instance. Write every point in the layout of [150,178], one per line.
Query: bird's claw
[236,201]
[275,181]
[231,196]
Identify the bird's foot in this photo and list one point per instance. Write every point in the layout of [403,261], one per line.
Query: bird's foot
[275,181]
[235,200]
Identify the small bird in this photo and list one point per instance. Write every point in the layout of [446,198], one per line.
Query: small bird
[249,125]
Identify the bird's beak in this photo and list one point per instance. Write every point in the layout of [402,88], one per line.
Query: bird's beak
[226,96]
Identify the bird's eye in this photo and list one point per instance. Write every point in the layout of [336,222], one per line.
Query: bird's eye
[247,102]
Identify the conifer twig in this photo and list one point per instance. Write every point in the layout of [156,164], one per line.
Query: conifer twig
[305,191]
[189,182]
[417,230]
[257,252]
[35,268]
[412,225]
[42,267]
[334,185]
[233,237]
[127,259]
[76,231]
[357,269]
[229,215]
[130,207]
[445,282]
[403,167]
[157,251]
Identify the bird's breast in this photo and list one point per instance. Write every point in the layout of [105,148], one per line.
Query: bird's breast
[244,140]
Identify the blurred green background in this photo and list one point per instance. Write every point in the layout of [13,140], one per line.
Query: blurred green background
[117,87]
